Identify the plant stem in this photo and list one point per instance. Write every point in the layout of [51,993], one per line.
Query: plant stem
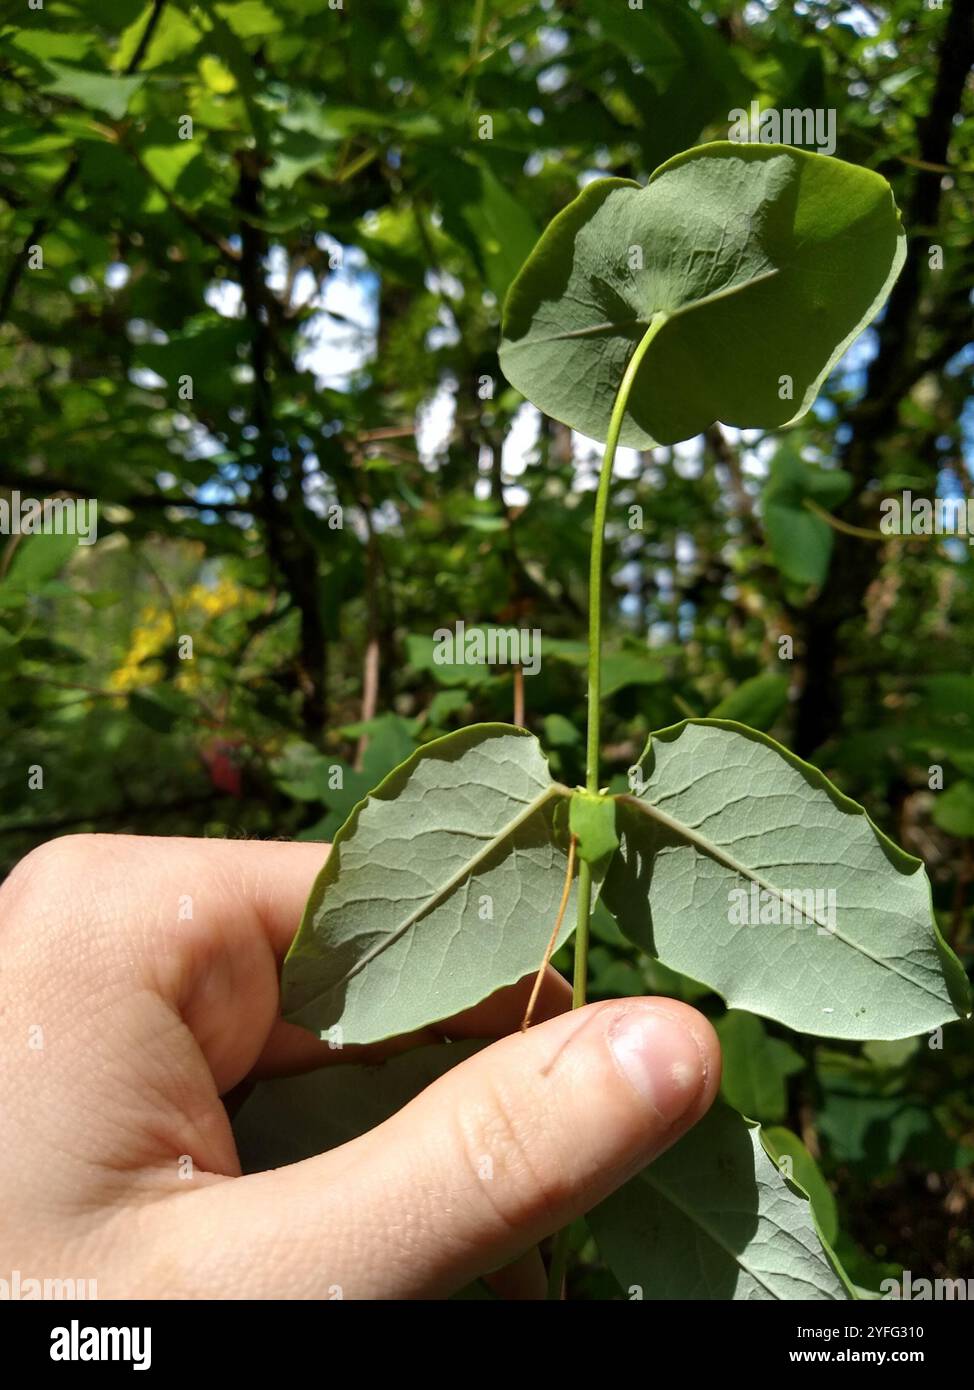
[837,524]
[595,643]
[559,1254]
[595,559]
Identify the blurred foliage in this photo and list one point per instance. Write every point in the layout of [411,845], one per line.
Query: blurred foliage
[275,235]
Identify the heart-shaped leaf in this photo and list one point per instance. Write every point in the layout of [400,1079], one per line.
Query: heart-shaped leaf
[800,541]
[714,1218]
[746,869]
[441,887]
[764,261]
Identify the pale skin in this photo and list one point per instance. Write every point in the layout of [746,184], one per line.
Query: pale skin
[147,1021]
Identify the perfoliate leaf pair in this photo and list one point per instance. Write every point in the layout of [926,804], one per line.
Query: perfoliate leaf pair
[739,865]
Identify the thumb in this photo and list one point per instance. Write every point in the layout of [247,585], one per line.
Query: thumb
[499,1152]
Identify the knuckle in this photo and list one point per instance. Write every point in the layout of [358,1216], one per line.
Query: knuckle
[45,863]
[517,1174]
[49,875]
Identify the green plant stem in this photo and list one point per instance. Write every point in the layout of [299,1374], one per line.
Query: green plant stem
[595,640]
[580,970]
[476,44]
[559,1253]
[837,524]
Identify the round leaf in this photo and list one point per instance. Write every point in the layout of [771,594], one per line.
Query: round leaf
[766,261]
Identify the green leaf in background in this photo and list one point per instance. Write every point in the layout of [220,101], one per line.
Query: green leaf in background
[160,710]
[673,47]
[481,215]
[756,702]
[173,36]
[105,93]
[287,1120]
[560,732]
[633,665]
[713,1218]
[248,18]
[442,887]
[782,1145]
[953,811]
[422,650]
[628,668]
[767,262]
[874,1121]
[756,1066]
[801,542]
[38,559]
[891,1056]
[308,775]
[724,812]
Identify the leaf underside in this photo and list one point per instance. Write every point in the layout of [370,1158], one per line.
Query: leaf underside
[724,808]
[441,888]
[768,262]
[714,1218]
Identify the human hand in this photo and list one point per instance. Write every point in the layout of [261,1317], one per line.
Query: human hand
[123,1021]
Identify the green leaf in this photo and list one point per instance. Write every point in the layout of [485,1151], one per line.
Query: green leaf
[714,1218]
[560,732]
[441,887]
[45,44]
[483,216]
[801,542]
[423,653]
[288,1120]
[876,1124]
[38,559]
[766,261]
[622,669]
[673,46]
[173,36]
[631,666]
[756,702]
[167,163]
[725,817]
[94,89]
[303,773]
[891,1056]
[248,18]
[593,819]
[783,1145]
[954,810]
[756,1066]
[159,711]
